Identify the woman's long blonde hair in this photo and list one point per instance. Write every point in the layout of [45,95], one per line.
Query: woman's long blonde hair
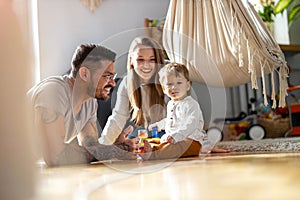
[134,89]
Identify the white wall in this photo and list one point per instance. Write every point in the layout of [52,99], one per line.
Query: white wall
[64,24]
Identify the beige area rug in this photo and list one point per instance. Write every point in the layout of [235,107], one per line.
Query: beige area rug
[291,144]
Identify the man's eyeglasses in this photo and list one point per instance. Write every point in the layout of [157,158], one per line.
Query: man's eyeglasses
[110,77]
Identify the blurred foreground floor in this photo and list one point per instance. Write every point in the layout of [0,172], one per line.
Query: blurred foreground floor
[219,176]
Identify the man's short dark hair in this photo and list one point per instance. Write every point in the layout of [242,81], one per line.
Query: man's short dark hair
[90,53]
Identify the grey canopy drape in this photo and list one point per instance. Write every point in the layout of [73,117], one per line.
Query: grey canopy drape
[224,43]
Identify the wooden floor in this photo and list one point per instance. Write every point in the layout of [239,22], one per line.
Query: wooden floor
[227,176]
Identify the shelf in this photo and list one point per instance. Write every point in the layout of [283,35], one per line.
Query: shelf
[290,48]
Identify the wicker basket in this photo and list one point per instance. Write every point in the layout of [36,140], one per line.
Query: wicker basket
[275,128]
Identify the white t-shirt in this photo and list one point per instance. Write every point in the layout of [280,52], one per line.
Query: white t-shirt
[54,93]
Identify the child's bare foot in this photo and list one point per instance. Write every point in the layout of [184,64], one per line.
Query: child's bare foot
[216,150]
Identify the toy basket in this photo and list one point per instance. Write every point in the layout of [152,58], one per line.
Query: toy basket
[275,128]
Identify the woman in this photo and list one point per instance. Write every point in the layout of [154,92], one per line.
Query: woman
[140,97]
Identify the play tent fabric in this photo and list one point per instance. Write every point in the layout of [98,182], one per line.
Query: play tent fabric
[224,43]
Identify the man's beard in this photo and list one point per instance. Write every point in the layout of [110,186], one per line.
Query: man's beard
[92,91]
[103,95]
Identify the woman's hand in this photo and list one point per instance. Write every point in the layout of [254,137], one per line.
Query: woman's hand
[151,126]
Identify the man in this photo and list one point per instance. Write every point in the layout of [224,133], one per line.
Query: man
[65,109]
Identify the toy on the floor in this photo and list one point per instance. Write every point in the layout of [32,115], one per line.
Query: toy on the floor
[142,134]
[239,128]
[294,112]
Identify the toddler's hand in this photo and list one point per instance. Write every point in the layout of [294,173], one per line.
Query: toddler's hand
[171,140]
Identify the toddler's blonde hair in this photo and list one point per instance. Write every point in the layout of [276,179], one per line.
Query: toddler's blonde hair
[173,68]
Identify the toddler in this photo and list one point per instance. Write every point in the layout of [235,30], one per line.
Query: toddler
[184,121]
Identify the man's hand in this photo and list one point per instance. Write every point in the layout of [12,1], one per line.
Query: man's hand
[123,136]
[132,143]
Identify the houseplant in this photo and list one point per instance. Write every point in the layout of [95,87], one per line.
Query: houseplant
[266,11]
[293,7]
